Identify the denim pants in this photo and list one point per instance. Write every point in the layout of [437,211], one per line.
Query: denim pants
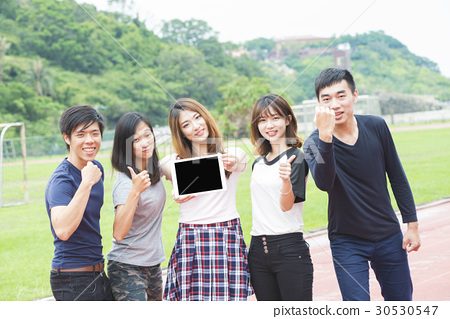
[80,286]
[389,261]
[281,267]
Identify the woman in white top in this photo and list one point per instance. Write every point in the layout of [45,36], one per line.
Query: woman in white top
[209,258]
[279,258]
[139,197]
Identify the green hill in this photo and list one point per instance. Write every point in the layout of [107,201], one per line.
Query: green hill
[55,54]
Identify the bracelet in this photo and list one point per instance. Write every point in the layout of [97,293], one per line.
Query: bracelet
[284,194]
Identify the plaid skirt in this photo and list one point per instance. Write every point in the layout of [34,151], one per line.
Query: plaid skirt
[209,262]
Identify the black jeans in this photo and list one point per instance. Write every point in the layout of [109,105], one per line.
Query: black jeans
[81,286]
[281,267]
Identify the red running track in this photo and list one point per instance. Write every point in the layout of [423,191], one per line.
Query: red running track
[430,266]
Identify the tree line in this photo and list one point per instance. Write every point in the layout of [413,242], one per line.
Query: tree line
[55,54]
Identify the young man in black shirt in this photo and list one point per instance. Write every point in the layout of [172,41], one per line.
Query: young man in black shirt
[349,156]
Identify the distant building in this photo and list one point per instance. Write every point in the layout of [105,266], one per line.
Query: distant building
[342,56]
[302,47]
[236,53]
[300,39]
[298,45]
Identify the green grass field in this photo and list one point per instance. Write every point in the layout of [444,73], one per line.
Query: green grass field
[26,246]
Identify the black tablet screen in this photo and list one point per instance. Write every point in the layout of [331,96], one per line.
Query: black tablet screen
[198,175]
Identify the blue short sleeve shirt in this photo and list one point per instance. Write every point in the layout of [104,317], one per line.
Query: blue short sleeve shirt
[84,247]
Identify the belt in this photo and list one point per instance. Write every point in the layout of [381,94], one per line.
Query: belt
[94,268]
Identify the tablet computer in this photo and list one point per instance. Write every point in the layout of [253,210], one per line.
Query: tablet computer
[198,175]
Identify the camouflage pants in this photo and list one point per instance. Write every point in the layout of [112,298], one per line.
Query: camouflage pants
[129,282]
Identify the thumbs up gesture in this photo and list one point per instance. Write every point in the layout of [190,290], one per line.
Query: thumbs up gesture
[285,169]
[140,181]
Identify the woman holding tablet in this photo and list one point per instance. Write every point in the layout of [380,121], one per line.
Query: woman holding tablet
[209,258]
[279,258]
[139,197]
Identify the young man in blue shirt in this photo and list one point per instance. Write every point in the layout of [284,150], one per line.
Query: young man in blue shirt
[74,197]
[349,156]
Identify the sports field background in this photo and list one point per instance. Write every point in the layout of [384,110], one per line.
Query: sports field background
[26,247]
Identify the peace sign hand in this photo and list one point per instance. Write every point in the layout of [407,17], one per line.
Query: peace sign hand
[229,162]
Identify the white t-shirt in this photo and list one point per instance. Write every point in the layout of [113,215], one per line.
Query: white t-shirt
[212,207]
[268,217]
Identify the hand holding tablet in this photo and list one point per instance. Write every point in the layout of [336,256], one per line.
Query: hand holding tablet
[229,161]
[198,175]
[180,199]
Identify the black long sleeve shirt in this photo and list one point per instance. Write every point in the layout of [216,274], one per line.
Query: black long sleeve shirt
[354,176]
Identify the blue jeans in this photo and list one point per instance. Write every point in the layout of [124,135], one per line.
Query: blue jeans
[389,261]
[281,267]
[80,286]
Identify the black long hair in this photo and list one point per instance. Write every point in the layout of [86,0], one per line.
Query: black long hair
[122,153]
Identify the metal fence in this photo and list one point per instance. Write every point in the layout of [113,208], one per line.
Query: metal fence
[16,152]
[45,146]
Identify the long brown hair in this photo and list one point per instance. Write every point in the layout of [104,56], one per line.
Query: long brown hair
[282,107]
[183,147]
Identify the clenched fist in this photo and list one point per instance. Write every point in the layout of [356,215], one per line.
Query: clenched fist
[91,174]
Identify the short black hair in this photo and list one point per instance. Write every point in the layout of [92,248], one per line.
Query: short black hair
[80,114]
[332,76]
[122,154]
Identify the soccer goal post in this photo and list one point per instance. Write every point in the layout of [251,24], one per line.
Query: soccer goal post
[13,172]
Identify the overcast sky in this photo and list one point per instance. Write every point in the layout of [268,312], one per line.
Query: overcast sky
[423,26]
